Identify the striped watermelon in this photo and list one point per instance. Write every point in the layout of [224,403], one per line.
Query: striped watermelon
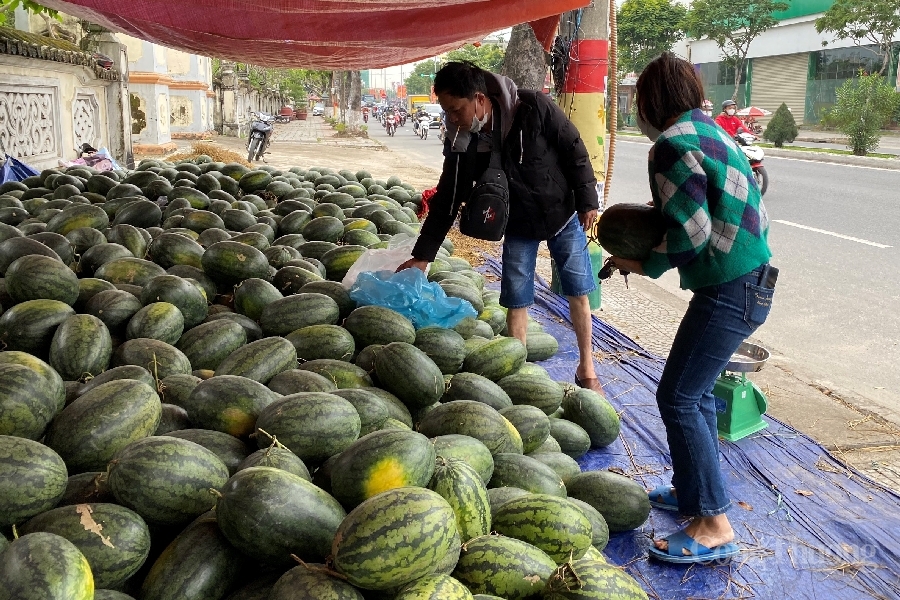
[444,346]
[343,374]
[594,414]
[260,360]
[158,321]
[550,523]
[541,346]
[170,249]
[133,271]
[166,480]
[496,359]
[572,439]
[32,479]
[381,461]
[290,516]
[228,403]
[199,563]
[504,567]
[298,310]
[114,307]
[175,389]
[81,346]
[26,407]
[85,488]
[379,325]
[435,587]
[312,425]
[531,423]
[36,277]
[588,579]
[160,358]
[230,450]
[311,582]
[45,566]
[524,472]
[622,502]
[90,430]
[252,295]
[114,540]
[278,457]
[564,465]
[322,341]
[124,372]
[231,262]
[533,390]
[373,411]
[475,419]
[408,373]
[467,449]
[293,381]
[470,386]
[208,344]
[187,296]
[599,528]
[29,326]
[394,538]
[462,487]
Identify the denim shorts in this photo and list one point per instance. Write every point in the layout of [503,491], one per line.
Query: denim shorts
[570,253]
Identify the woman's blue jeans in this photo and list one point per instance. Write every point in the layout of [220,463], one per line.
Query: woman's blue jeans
[717,320]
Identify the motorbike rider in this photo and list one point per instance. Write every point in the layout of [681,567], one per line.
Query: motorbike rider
[420,112]
[729,121]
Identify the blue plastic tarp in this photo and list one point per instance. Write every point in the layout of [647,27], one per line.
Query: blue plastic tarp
[15,170]
[838,539]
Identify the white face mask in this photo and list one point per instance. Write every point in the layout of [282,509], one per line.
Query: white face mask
[478,124]
[647,129]
[730,112]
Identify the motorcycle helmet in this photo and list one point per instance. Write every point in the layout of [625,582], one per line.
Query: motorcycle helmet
[728,103]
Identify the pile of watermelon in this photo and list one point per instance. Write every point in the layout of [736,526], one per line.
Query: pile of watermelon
[192,407]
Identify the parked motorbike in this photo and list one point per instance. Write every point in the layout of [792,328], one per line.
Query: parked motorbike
[261,127]
[755,155]
[282,119]
[422,124]
[390,124]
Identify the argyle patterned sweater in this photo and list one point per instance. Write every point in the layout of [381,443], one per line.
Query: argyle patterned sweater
[717,225]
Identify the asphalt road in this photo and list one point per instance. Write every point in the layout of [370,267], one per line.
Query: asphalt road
[835,235]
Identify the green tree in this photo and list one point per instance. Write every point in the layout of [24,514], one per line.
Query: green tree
[487,56]
[7,8]
[864,105]
[875,21]
[732,26]
[647,28]
[422,77]
[782,128]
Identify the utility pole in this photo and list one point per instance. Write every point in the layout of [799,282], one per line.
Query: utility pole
[584,90]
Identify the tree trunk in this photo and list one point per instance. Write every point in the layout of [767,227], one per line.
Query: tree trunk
[525,60]
[738,74]
[355,114]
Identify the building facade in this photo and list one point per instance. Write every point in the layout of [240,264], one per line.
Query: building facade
[790,63]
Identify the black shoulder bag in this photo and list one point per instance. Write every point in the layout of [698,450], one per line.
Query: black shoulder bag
[485,213]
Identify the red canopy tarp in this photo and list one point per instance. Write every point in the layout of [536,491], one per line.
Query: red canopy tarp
[324,34]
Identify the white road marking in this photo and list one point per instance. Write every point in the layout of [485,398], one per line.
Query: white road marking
[837,235]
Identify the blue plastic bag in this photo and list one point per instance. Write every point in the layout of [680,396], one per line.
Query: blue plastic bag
[15,170]
[411,294]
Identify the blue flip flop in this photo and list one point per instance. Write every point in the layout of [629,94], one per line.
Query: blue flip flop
[678,542]
[662,497]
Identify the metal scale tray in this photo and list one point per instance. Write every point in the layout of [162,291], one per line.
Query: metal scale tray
[748,358]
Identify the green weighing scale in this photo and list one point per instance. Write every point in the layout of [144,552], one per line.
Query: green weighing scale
[739,403]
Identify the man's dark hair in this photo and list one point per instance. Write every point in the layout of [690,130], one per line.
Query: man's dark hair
[668,87]
[460,79]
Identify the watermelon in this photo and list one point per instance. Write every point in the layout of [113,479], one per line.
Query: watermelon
[469,386]
[229,449]
[210,343]
[123,372]
[461,486]
[166,480]
[158,321]
[260,360]
[87,487]
[589,579]
[90,430]
[35,277]
[228,403]
[379,325]
[27,404]
[531,423]
[312,425]
[338,260]
[533,390]
[572,439]
[78,216]
[254,294]
[291,278]
[496,359]
[335,291]
[396,409]
[198,563]
[504,567]
[81,346]
[187,296]
[599,528]
[293,381]
[172,418]
[114,540]
[550,523]
[373,411]
[540,346]
[630,230]
[564,465]
[467,449]
[175,389]
[231,262]
[134,271]
[435,587]
[310,582]
[342,373]
[394,538]
[114,307]
[593,413]
[278,457]
[475,419]
[299,310]
[160,358]
[45,566]
[30,326]
[32,479]
[623,502]
[322,341]
[408,373]
[290,516]
[110,595]
[170,249]
[524,472]
[444,346]
[381,461]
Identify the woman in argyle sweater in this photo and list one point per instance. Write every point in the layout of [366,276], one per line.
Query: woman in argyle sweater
[716,237]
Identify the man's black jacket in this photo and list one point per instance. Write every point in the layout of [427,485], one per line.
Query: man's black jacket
[547,165]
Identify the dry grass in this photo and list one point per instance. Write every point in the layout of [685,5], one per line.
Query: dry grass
[471,249]
[214,151]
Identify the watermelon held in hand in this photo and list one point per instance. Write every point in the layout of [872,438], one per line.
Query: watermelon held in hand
[630,230]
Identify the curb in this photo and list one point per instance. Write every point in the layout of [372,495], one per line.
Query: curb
[838,159]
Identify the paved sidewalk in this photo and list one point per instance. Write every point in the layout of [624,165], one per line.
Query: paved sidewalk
[314,130]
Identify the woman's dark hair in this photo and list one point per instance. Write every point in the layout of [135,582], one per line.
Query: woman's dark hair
[668,87]
[460,79]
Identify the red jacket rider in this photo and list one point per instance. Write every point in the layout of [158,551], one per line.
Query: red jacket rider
[728,121]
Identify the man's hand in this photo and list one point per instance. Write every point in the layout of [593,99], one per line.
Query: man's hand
[625,264]
[587,219]
[413,262]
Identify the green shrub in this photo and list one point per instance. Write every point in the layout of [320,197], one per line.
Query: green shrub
[864,105]
[782,128]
